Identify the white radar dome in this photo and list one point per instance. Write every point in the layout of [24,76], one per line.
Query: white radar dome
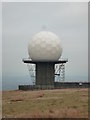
[45,46]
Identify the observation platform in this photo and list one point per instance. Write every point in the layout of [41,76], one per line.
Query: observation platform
[34,62]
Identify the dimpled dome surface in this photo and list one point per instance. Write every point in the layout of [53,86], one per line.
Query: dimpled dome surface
[44,46]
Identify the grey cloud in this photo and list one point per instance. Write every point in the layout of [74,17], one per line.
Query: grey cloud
[68,20]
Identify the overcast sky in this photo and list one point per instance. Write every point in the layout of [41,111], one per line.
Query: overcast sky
[22,20]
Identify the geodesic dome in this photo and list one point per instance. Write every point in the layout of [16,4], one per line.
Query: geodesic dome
[45,46]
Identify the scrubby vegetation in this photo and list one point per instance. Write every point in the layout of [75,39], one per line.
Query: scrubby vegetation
[63,103]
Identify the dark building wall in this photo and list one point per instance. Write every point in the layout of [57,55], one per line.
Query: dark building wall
[57,85]
[71,85]
[45,73]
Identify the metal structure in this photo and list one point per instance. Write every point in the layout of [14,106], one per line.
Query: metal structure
[32,72]
[60,72]
[44,74]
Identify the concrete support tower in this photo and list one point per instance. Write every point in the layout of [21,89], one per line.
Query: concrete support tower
[45,74]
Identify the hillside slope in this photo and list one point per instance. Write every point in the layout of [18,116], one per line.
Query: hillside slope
[63,103]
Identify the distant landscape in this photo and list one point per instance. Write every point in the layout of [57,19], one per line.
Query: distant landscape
[58,103]
[12,82]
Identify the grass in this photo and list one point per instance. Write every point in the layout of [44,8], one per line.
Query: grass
[62,103]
